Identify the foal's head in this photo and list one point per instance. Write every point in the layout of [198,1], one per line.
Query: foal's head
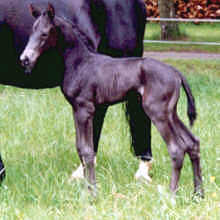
[44,35]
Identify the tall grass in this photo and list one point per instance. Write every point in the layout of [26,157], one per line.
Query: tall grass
[204,32]
[37,140]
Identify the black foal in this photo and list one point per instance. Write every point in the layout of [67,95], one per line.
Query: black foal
[93,81]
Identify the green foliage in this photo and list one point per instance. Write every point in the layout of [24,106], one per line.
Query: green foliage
[37,144]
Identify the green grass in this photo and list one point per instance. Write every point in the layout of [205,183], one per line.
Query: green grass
[37,140]
[189,32]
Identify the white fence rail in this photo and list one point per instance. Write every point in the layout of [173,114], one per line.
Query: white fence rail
[184,42]
[184,20]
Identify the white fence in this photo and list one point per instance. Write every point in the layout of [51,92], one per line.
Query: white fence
[184,42]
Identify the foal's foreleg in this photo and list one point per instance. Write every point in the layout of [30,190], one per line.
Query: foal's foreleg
[98,120]
[84,144]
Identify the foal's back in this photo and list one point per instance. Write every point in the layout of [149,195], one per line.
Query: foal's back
[114,78]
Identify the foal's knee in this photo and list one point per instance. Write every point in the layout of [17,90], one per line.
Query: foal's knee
[87,155]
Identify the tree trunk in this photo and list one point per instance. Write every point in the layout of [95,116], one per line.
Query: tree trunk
[169,30]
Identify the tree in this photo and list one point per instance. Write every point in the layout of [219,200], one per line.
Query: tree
[169,30]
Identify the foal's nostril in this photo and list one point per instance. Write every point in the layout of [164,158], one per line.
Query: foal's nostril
[25,62]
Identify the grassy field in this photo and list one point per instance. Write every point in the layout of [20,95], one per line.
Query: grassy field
[37,140]
[189,32]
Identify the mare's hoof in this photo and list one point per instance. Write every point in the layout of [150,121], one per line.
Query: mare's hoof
[77,174]
[143,171]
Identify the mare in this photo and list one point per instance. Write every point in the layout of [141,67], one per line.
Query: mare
[113,27]
[92,80]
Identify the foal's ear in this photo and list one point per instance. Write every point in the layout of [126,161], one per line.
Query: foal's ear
[34,11]
[51,11]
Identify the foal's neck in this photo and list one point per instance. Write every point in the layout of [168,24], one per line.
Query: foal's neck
[73,41]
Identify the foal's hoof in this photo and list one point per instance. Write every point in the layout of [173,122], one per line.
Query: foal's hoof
[143,171]
[93,191]
[199,194]
[77,174]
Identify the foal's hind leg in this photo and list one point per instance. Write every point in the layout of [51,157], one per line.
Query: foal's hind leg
[176,152]
[97,127]
[163,120]
[193,149]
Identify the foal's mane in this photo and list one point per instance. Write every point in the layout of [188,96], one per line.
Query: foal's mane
[76,32]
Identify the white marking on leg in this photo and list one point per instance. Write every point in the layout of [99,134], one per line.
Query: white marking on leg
[78,173]
[143,171]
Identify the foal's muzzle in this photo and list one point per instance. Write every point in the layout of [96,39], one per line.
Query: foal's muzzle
[25,62]
[28,59]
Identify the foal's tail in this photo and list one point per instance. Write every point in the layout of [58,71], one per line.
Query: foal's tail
[191,112]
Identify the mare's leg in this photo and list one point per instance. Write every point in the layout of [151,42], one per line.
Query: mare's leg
[97,127]
[140,129]
[84,142]
[2,168]
[193,149]
[4,69]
